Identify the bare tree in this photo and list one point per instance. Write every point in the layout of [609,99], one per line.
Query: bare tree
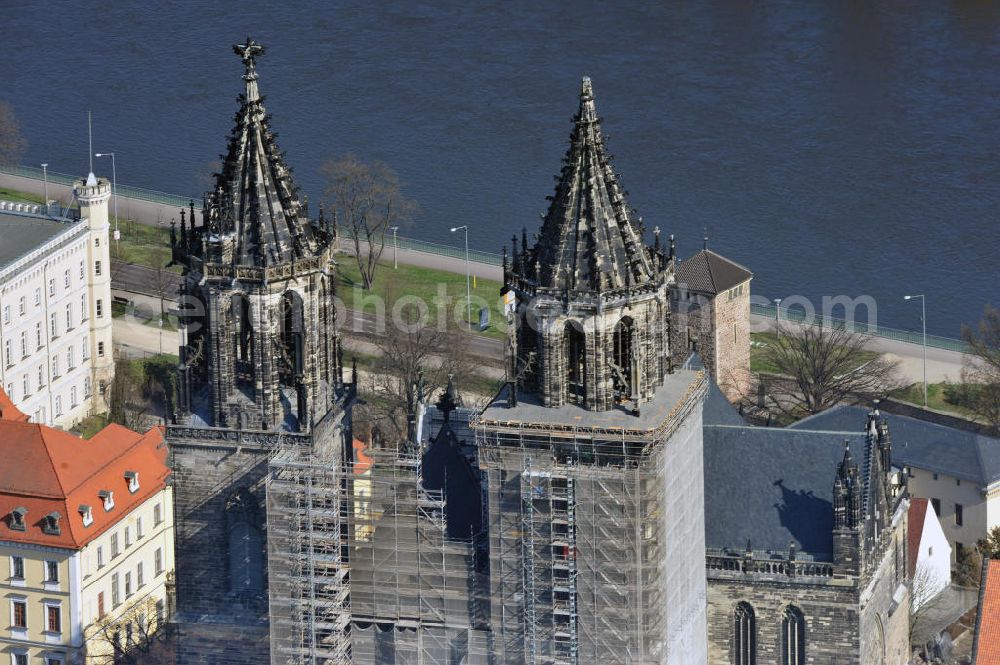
[12,144]
[990,545]
[982,368]
[366,201]
[135,636]
[126,405]
[412,358]
[819,367]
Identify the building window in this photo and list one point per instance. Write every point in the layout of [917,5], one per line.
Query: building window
[53,618]
[73,402]
[88,516]
[8,353]
[935,476]
[53,660]
[958,514]
[157,514]
[128,536]
[128,584]
[51,572]
[138,575]
[138,528]
[52,287]
[793,637]
[936,503]
[132,477]
[6,313]
[58,406]
[66,278]
[158,561]
[10,391]
[17,568]
[744,635]
[115,595]
[50,524]
[100,350]
[53,326]
[19,609]
[22,305]
[108,497]
[69,316]
[70,358]
[26,389]
[83,307]
[86,387]
[38,296]
[100,557]
[38,335]
[24,345]
[85,348]
[97,242]
[100,308]
[958,481]
[20,658]
[82,274]
[17,522]
[100,605]
[115,551]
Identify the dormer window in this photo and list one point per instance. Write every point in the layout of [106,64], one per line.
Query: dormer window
[87,514]
[132,477]
[50,525]
[108,497]
[17,522]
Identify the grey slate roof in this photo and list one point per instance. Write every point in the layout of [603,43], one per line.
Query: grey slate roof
[921,444]
[20,234]
[711,273]
[588,239]
[772,487]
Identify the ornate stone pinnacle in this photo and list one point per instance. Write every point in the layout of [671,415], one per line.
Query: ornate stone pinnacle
[248,51]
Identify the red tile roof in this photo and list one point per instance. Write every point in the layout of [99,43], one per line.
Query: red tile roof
[914,532]
[986,650]
[7,409]
[46,471]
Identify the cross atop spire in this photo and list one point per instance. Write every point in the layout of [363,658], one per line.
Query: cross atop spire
[248,53]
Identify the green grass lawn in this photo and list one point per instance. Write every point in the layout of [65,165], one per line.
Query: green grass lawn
[423,283]
[948,397]
[14,195]
[760,363]
[143,245]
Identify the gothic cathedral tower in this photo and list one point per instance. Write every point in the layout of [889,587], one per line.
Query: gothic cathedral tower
[591,457]
[259,371]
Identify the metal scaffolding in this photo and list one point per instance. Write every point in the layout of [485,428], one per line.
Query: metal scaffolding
[576,531]
[307,571]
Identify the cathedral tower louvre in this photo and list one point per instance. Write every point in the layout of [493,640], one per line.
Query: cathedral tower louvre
[265,354]
[594,303]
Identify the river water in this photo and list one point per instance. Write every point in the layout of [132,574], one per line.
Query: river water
[835,148]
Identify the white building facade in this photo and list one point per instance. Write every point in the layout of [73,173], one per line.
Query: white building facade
[55,307]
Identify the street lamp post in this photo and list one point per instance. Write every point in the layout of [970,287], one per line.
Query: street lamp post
[395,262]
[468,284]
[45,185]
[777,309]
[114,188]
[923,321]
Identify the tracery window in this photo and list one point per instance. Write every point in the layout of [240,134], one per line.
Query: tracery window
[744,635]
[793,637]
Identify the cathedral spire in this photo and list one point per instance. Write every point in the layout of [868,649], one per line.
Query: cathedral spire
[255,210]
[589,241]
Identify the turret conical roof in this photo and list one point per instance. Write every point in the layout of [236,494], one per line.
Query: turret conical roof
[588,240]
[255,198]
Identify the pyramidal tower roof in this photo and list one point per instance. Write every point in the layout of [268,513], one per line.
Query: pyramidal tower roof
[588,239]
[255,199]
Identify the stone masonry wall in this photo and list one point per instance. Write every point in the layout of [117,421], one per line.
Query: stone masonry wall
[731,328]
[205,476]
[831,616]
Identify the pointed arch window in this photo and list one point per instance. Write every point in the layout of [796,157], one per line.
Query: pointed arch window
[623,351]
[576,364]
[744,635]
[793,636]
